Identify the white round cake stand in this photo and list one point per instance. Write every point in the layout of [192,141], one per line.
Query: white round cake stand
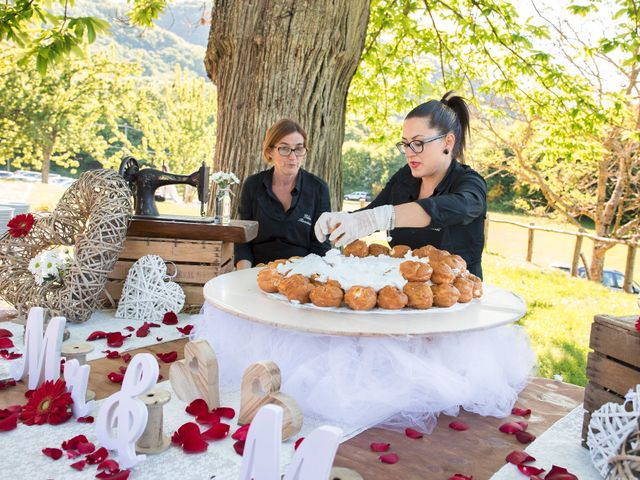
[238,293]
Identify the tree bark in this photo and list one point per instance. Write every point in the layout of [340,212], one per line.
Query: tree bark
[46,162]
[284,58]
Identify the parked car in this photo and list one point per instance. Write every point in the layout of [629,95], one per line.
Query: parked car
[62,181]
[612,279]
[27,176]
[5,175]
[358,196]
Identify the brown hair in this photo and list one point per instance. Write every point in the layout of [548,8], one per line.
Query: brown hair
[277,131]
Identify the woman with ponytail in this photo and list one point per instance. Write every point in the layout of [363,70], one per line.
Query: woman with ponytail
[433,200]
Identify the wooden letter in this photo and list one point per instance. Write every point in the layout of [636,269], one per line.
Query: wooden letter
[197,375]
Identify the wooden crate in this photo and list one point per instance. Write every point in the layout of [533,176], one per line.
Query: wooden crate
[197,262]
[614,365]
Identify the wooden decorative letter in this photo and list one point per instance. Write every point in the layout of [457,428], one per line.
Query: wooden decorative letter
[197,375]
[261,386]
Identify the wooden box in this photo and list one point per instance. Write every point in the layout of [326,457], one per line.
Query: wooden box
[613,368]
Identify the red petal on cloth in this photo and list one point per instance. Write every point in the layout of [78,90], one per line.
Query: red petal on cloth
[170,318]
[115,339]
[85,448]
[241,433]
[521,412]
[459,476]
[126,357]
[87,419]
[412,433]
[168,357]
[6,342]
[209,418]
[186,330]
[458,426]
[524,425]
[5,333]
[117,475]
[73,442]
[12,410]
[54,453]
[239,447]
[97,335]
[380,447]
[79,465]
[7,383]
[115,377]
[197,408]
[510,428]
[112,353]
[216,432]
[389,458]
[7,355]
[130,329]
[518,456]
[298,442]
[560,473]
[189,429]
[153,324]
[99,456]
[158,339]
[525,437]
[109,465]
[72,453]
[225,412]
[143,331]
[9,423]
[194,444]
[529,470]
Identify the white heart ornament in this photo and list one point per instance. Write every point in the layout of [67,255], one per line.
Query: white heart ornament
[147,295]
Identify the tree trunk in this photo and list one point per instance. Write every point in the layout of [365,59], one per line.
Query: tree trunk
[284,58]
[46,161]
[597,260]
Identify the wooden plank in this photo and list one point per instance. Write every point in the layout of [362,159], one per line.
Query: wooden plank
[627,323]
[186,273]
[613,340]
[173,250]
[238,231]
[611,374]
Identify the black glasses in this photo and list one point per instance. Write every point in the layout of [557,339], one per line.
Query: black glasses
[417,146]
[298,151]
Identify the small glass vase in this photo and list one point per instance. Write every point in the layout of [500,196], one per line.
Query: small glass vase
[223,207]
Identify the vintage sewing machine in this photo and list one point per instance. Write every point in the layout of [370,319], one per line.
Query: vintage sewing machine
[144,183]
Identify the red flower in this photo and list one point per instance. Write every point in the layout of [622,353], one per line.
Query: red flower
[20,225]
[49,403]
[168,357]
[170,318]
[389,458]
[186,330]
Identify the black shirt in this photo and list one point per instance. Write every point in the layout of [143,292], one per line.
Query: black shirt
[457,208]
[282,234]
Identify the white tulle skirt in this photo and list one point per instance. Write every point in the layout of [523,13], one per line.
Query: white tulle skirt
[392,381]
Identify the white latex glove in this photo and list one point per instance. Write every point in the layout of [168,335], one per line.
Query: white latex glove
[326,223]
[360,224]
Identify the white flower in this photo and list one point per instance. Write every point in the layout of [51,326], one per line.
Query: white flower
[224,179]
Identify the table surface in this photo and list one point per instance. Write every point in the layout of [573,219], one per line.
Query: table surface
[479,451]
[238,293]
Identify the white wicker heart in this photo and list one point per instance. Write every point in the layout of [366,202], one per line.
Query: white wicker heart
[609,427]
[147,295]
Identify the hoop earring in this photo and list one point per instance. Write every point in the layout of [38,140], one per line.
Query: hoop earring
[446,151]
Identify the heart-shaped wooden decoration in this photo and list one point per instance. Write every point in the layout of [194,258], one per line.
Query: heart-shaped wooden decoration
[197,375]
[261,383]
[147,295]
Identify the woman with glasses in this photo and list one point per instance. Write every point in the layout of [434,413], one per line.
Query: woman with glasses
[433,200]
[285,200]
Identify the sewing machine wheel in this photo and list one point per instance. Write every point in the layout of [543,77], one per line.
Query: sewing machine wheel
[129,169]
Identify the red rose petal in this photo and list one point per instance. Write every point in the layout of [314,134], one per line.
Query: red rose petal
[73,442]
[158,339]
[9,355]
[459,476]
[559,473]
[389,458]
[380,447]
[5,333]
[186,330]
[193,444]
[168,357]
[126,357]
[529,470]
[115,377]
[209,418]
[115,339]
[241,433]
[72,454]
[87,419]
[99,456]
[459,426]
[109,465]
[525,437]
[412,433]
[225,412]
[170,318]
[142,331]
[118,475]
[54,453]
[189,429]
[239,447]
[7,383]
[97,335]
[79,465]
[197,408]
[14,409]
[122,370]
[6,342]
[217,431]
[153,325]
[85,448]
[510,428]
[112,353]
[9,423]
[130,329]
[524,425]
[298,442]
[521,412]
[518,456]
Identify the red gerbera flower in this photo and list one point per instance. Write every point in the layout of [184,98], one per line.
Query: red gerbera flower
[49,403]
[20,225]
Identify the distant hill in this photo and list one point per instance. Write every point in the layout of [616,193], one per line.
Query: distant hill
[178,37]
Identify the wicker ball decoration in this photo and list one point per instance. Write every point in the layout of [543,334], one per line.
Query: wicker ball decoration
[92,216]
[626,463]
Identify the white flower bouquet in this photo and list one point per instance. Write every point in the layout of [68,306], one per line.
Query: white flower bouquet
[224,180]
[51,265]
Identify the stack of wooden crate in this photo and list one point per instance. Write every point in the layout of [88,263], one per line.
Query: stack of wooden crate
[200,251]
[613,368]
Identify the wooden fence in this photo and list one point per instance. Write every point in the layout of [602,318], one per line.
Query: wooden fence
[580,236]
